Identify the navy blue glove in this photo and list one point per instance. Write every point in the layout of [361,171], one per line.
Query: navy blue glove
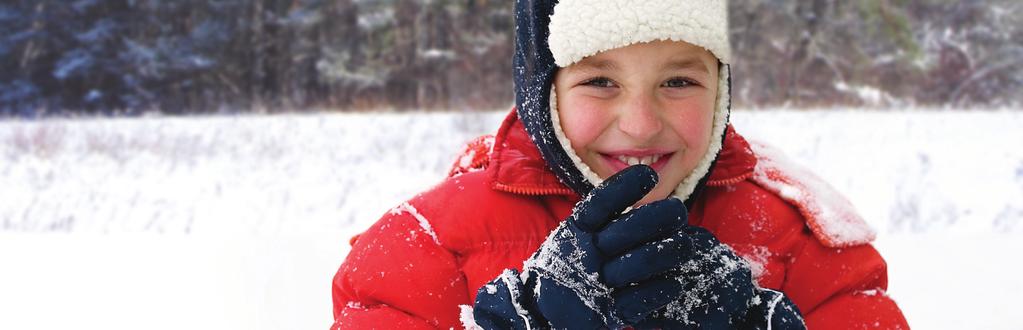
[645,268]
[570,281]
[504,303]
[773,310]
[718,292]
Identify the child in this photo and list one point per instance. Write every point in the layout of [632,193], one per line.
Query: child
[616,195]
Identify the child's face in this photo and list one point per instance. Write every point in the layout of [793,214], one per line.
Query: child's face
[650,103]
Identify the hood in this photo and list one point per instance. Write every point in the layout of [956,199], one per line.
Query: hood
[534,68]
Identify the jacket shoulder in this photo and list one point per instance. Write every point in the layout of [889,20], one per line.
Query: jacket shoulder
[475,156]
[830,216]
[413,253]
[465,210]
[396,265]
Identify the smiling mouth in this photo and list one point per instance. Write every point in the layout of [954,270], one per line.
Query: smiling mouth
[618,162]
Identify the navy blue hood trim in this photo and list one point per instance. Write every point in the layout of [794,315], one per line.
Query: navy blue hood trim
[534,71]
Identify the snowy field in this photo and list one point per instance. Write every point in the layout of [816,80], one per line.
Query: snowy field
[240,222]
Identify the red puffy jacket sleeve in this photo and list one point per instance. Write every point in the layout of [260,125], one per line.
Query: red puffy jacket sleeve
[398,276]
[834,287]
[842,288]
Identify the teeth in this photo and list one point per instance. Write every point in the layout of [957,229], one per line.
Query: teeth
[648,160]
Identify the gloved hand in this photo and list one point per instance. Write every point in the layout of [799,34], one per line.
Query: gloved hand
[645,268]
[719,293]
[570,281]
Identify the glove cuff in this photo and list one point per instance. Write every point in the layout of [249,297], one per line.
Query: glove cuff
[771,309]
[501,304]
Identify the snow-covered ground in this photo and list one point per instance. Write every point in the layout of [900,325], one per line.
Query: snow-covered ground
[240,222]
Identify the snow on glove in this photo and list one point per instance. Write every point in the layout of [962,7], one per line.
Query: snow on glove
[719,292]
[641,249]
[562,285]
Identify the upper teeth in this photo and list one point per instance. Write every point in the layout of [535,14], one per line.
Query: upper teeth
[639,160]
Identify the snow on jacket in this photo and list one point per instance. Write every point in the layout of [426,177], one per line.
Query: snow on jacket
[424,258]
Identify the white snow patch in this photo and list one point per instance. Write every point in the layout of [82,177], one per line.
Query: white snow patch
[870,95]
[757,260]
[269,202]
[467,318]
[423,223]
[489,140]
[972,274]
[466,160]
[821,203]
[908,171]
[771,306]
[872,292]
[511,281]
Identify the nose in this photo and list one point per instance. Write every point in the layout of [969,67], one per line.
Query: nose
[639,117]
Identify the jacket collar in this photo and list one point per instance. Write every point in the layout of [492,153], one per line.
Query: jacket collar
[516,166]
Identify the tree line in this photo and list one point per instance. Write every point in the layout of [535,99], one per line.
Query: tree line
[188,56]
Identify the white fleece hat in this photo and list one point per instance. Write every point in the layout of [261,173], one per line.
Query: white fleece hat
[581,28]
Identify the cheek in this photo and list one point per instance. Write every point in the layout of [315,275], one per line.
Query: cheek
[694,129]
[583,121]
[693,124]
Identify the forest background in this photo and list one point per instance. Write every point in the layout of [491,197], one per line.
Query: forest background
[234,56]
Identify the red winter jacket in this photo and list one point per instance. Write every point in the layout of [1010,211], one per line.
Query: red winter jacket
[424,258]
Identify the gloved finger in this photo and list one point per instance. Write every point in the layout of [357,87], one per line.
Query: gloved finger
[726,307]
[611,198]
[563,308]
[733,296]
[702,239]
[648,223]
[635,303]
[647,261]
[719,258]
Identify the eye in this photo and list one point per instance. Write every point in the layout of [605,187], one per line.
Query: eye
[679,82]
[600,82]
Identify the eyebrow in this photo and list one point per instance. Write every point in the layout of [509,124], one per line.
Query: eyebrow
[601,65]
[690,63]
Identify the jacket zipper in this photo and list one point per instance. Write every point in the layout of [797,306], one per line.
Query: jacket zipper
[532,191]
[726,182]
